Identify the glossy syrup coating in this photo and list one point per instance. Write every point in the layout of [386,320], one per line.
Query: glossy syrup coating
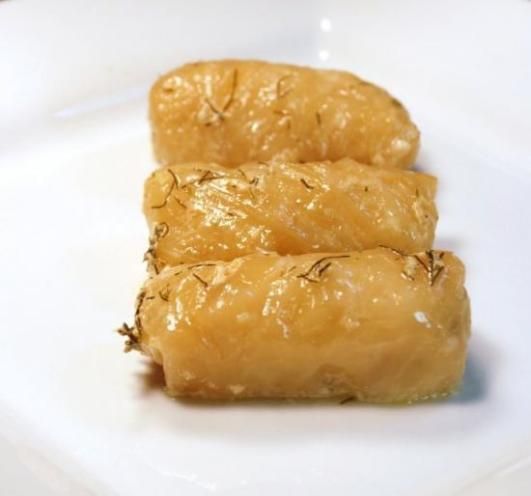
[206,212]
[374,325]
[231,112]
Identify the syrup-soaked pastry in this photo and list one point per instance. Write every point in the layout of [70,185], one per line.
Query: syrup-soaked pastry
[231,112]
[204,211]
[375,325]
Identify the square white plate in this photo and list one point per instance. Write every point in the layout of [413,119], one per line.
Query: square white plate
[77,416]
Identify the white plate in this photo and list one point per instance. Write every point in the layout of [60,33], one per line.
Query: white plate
[78,417]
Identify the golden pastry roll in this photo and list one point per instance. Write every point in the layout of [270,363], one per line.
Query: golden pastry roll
[374,325]
[204,211]
[232,112]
